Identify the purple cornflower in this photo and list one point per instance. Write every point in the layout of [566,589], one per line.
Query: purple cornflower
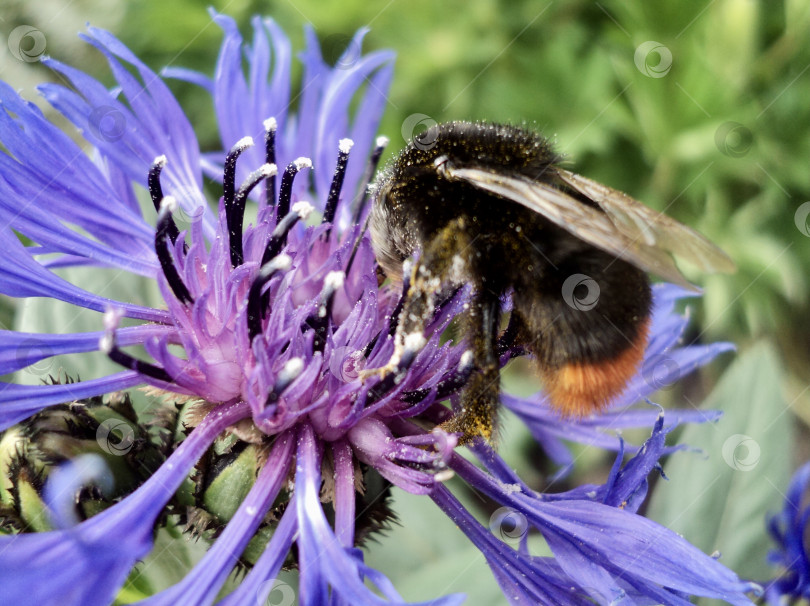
[788,529]
[268,325]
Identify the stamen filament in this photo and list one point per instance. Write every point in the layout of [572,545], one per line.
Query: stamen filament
[175,282]
[285,192]
[344,147]
[235,212]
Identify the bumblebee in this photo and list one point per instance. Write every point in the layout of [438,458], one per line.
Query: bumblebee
[490,206]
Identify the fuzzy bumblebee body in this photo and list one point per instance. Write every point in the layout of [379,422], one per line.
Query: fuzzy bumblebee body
[487,205]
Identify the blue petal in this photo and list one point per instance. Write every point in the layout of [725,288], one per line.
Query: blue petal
[21,276]
[18,402]
[21,349]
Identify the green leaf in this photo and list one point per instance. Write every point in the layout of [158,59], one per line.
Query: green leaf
[719,501]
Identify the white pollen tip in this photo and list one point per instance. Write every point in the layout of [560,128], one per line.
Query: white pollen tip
[381,141]
[334,280]
[268,170]
[160,161]
[270,125]
[466,359]
[283,262]
[293,367]
[302,163]
[303,209]
[415,341]
[168,204]
[444,475]
[345,145]
[112,316]
[244,143]
[105,343]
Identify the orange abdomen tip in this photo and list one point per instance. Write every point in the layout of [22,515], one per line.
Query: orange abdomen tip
[578,389]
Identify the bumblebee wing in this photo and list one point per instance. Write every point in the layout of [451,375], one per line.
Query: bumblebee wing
[640,222]
[582,221]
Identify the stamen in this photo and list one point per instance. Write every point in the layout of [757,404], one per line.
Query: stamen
[235,211]
[374,160]
[291,371]
[270,127]
[229,171]
[156,193]
[285,192]
[320,321]
[167,206]
[256,305]
[300,210]
[344,147]
[107,344]
[394,320]
[414,343]
[447,387]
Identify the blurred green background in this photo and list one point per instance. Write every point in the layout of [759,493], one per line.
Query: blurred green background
[697,107]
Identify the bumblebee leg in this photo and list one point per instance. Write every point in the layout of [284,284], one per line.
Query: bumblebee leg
[479,400]
[441,261]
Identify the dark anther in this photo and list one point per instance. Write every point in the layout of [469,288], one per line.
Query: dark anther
[376,393]
[392,325]
[270,127]
[108,346]
[235,211]
[344,147]
[285,192]
[167,206]
[229,171]
[156,193]
[447,387]
[278,238]
[292,369]
[255,309]
[371,167]
[319,322]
